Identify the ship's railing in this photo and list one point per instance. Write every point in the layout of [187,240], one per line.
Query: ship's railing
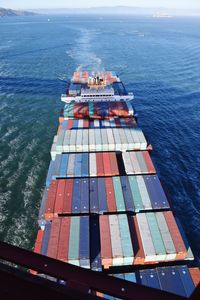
[82,279]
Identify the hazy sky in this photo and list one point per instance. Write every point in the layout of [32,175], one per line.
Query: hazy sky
[91,3]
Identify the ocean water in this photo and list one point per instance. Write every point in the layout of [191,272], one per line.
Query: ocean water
[157,59]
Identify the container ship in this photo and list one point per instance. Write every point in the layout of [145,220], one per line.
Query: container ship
[104,208]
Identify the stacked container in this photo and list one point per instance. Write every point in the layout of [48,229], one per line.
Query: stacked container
[104,205]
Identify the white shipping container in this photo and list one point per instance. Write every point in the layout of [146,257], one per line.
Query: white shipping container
[117,253]
[135,138]
[143,192]
[167,239]
[149,250]
[135,163]
[85,140]
[72,142]
[116,135]
[124,142]
[141,137]
[111,141]
[127,163]
[80,123]
[131,143]
[66,141]
[79,140]
[92,164]
[59,143]
[98,140]
[92,139]
[104,139]
[70,167]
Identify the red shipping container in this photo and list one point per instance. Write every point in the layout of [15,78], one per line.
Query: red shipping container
[149,162]
[54,238]
[38,242]
[106,248]
[49,208]
[70,124]
[38,245]
[195,274]
[110,195]
[113,164]
[99,162]
[60,196]
[85,123]
[139,256]
[176,236]
[106,164]
[67,204]
[63,244]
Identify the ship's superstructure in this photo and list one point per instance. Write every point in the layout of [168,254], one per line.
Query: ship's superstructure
[96,86]
[104,207]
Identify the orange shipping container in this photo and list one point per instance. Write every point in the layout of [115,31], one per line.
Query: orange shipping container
[54,238]
[49,208]
[63,244]
[106,249]
[60,195]
[195,274]
[176,236]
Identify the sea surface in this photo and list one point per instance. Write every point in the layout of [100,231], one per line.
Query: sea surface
[157,59]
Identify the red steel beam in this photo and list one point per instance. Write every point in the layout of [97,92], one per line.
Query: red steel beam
[93,280]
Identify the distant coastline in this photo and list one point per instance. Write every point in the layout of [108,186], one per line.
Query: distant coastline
[120,10]
[4,12]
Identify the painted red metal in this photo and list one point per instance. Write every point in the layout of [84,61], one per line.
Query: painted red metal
[67,205]
[195,274]
[54,238]
[63,244]
[106,164]
[113,164]
[99,162]
[60,195]
[49,208]
[149,162]
[106,248]
[85,123]
[95,281]
[70,124]
[110,195]
[176,236]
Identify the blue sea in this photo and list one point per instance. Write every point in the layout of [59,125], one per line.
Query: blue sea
[157,58]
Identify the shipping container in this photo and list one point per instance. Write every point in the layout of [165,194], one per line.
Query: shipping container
[176,236]
[117,254]
[170,281]
[167,239]
[105,238]
[148,246]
